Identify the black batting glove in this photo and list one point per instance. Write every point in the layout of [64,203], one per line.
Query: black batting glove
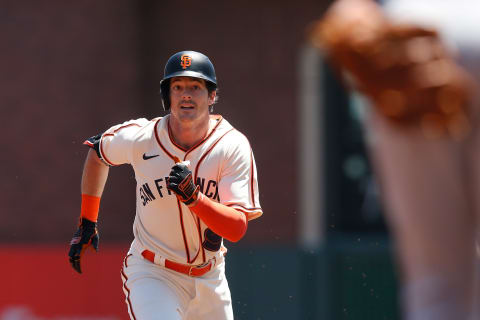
[180,181]
[86,235]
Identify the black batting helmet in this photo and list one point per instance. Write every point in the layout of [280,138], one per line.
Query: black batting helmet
[186,64]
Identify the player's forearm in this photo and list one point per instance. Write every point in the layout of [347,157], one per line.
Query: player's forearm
[224,221]
[94,177]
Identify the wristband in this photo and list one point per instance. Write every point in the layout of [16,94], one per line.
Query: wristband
[90,207]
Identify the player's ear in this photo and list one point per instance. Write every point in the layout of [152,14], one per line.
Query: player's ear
[211,97]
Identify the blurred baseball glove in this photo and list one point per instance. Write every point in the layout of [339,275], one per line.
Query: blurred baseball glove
[404,70]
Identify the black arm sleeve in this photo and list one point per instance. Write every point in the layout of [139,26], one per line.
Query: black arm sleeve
[94,143]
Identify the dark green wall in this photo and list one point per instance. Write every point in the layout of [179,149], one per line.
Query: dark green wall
[347,279]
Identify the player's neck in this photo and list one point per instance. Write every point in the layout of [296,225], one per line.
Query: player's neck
[189,134]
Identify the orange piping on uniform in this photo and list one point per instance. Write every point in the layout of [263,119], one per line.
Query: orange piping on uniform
[160,143]
[175,159]
[196,174]
[199,229]
[171,138]
[103,153]
[243,207]
[126,259]
[180,212]
[128,293]
[125,126]
[207,152]
[249,214]
[199,238]
[197,223]
[219,119]
[88,143]
[111,134]
[252,177]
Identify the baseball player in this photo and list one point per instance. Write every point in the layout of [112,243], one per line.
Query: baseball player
[425,137]
[196,184]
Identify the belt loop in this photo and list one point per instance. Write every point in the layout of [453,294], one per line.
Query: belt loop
[158,259]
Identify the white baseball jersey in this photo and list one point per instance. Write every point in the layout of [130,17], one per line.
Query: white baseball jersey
[222,164]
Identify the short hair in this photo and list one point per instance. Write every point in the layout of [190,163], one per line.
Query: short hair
[212,87]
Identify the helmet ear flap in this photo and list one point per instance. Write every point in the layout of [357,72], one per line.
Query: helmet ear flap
[165,92]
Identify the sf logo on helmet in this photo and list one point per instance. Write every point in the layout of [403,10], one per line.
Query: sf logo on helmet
[186,61]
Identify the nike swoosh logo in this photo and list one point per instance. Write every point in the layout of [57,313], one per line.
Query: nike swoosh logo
[145,157]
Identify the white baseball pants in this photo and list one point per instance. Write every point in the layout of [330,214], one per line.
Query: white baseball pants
[154,292]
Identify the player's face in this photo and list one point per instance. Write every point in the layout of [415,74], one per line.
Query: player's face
[189,98]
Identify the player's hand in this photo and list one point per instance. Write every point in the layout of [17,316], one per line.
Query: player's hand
[86,235]
[180,181]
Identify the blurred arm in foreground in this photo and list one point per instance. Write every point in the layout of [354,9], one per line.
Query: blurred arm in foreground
[425,143]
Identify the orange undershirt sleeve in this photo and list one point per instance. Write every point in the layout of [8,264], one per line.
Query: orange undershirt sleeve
[90,207]
[224,221]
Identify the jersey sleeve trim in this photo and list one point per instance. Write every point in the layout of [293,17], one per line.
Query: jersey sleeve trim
[251,213]
[95,143]
[101,153]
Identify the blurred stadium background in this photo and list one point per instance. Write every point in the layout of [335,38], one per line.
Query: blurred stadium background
[71,69]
